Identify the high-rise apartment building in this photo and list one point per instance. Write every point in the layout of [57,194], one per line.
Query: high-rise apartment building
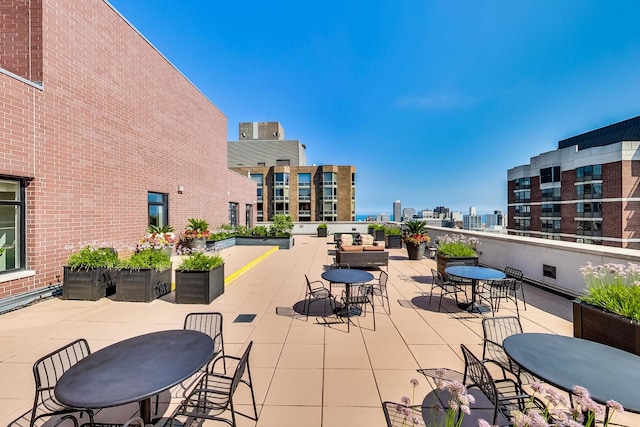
[588,190]
[397,210]
[285,184]
[494,220]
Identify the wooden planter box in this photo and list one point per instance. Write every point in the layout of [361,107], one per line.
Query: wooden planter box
[322,232]
[442,261]
[143,285]
[199,287]
[280,242]
[594,324]
[393,242]
[88,285]
[379,236]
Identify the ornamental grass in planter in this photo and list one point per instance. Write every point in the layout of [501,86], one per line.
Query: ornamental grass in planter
[144,276]
[90,273]
[199,278]
[456,248]
[609,310]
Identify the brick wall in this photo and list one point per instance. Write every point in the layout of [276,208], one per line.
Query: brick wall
[113,121]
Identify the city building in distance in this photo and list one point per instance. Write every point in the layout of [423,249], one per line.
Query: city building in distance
[285,184]
[586,191]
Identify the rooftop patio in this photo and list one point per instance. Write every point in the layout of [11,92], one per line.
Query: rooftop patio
[305,372]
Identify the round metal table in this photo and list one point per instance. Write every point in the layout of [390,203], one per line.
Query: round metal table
[348,276]
[606,372]
[134,370]
[475,273]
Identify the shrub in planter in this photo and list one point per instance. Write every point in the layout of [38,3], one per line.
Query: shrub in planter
[393,237]
[322,230]
[456,247]
[89,273]
[144,276]
[281,226]
[199,278]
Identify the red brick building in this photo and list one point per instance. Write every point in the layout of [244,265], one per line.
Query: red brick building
[99,133]
[586,191]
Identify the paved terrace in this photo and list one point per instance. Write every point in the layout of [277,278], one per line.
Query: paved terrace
[305,373]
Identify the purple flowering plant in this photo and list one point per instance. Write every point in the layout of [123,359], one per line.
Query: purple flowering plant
[614,288]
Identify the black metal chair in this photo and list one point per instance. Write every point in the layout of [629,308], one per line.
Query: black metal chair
[446,287]
[379,289]
[505,394]
[497,290]
[399,415]
[337,266]
[495,330]
[516,274]
[213,395]
[359,297]
[47,371]
[318,293]
[209,323]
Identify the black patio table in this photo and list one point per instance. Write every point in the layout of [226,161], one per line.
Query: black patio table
[606,372]
[475,273]
[134,370]
[348,276]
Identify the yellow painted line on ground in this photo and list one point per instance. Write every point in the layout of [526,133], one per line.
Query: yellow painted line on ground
[240,272]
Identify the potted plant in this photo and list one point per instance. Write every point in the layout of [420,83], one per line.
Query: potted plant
[200,278]
[279,233]
[392,237]
[144,276]
[415,239]
[609,310]
[196,233]
[322,230]
[159,238]
[456,248]
[90,273]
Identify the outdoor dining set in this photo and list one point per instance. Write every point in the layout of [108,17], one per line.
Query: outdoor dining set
[75,383]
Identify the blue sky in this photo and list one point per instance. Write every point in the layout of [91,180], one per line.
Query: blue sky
[432,101]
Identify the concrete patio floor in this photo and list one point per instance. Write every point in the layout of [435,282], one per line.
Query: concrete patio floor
[305,372]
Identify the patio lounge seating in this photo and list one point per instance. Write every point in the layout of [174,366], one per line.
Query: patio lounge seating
[363,258]
[47,371]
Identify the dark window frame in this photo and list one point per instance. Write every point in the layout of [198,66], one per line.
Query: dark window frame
[164,204]
[21,232]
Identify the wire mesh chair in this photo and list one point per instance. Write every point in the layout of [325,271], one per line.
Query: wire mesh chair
[446,287]
[399,415]
[318,293]
[213,395]
[47,371]
[495,330]
[379,289]
[505,394]
[209,323]
[337,266]
[516,274]
[460,281]
[358,300]
[498,290]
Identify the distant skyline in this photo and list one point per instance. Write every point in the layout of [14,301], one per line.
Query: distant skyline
[432,101]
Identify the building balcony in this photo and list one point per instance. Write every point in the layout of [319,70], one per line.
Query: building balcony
[304,213]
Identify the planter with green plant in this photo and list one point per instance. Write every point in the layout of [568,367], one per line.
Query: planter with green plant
[609,310]
[90,273]
[456,248]
[223,237]
[392,237]
[415,239]
[322,230]
[199,278]
[195,234]
[159,238]
[144,276]
[279,233]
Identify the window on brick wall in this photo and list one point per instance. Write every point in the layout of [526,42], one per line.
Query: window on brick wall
[12,220]
[158,209]
[233,214]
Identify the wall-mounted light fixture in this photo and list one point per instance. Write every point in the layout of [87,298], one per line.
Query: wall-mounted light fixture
[180,189]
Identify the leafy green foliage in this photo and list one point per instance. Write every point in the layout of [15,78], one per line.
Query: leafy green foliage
[93,257]
[198,261]
[197,225]
[456,249]
[147,258]
[243,230]
[323,225]
[260,231]
[159,230]
[415,227]
[281,226]
[392,231]
[613,287]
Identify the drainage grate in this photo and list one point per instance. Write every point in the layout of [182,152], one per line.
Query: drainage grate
[244,318]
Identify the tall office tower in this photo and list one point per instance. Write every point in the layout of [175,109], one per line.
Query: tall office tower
[586,191]
[285,184]
[397,211]
[496,219]
[472,210]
